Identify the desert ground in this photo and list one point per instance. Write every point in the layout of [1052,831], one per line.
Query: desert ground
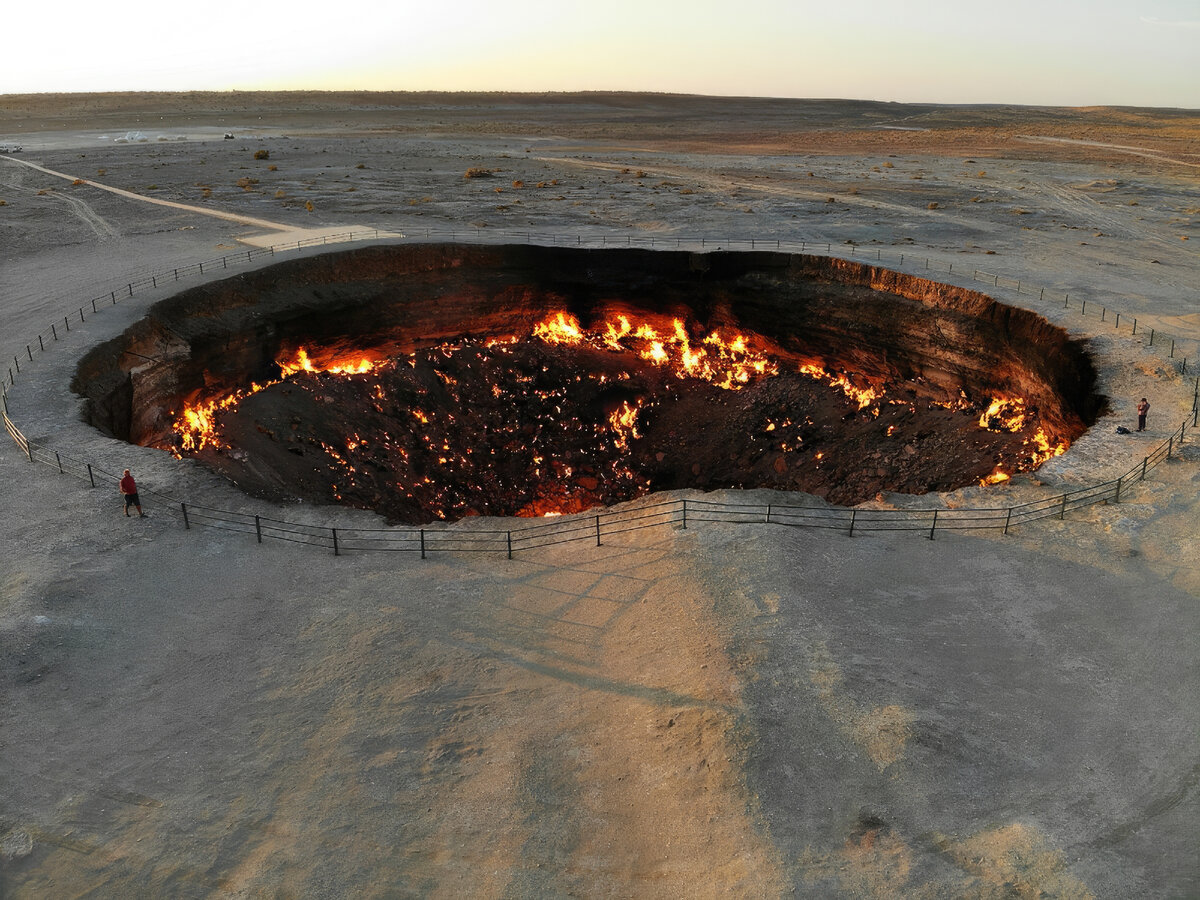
[740,710]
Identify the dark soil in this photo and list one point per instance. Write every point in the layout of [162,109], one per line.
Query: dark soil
[524,429]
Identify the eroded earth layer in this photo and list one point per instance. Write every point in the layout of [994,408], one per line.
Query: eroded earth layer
[437,381]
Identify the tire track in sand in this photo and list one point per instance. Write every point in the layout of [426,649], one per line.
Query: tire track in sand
[215,213]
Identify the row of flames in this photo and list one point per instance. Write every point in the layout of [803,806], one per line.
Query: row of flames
[197,425]
[729,364]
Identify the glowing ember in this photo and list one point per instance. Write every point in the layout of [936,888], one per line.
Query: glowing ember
[864,397]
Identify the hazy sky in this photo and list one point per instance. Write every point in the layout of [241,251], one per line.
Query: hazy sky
[1052,52]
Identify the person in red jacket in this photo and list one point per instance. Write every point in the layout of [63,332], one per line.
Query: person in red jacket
[129,492]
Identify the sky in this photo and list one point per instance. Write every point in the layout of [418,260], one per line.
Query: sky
[1051,52]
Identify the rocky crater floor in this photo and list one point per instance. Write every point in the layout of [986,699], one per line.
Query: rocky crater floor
[443,381]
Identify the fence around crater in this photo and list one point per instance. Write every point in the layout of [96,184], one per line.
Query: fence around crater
[594,527]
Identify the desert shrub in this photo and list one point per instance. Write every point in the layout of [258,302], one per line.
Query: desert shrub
[272,168]
[279,195]
[932,205]
[262,154]
[518,184]
[361,166]
[78,181]
[308,204]
[102,172]
[888,165]
[206,192]
[3,203]
[639,174]
[477,172]
[245,182]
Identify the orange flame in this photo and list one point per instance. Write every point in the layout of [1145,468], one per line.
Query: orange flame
[1041,448]
[1004,414]
[727,364]
[563,328]
[623,422]
[864,397]
[343,365]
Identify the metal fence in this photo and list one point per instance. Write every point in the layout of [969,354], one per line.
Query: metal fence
[591,527]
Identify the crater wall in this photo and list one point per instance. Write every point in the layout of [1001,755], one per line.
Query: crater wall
[398,298]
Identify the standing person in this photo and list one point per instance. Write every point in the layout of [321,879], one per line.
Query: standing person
[1143,408]
[128,489]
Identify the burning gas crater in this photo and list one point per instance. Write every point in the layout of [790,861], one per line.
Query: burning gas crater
[435,382]
[567,417]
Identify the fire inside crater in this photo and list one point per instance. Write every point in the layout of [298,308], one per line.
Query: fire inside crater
[440,381]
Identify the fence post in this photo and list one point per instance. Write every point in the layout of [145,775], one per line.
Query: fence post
[29,351]
[933,527]
[423,543]
[1151,337]
[1145,462]
[509,537]
[1062,513]
[1083,308]
[258,528]
[1170,446]
[41,344]
[1117,499]
[1171,355]
[29,449]
[685,512]
[597,531]
[91,477]
[58,459]
[1007,519]
[186,524]
[853,516]
[54,331]
[335,542]
[1117,325]
[1135,324]
[768,513]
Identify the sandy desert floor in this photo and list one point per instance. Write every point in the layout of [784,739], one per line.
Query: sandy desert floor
[733,710]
